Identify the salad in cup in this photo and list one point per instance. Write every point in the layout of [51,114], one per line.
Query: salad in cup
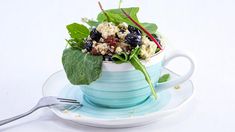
[116,36]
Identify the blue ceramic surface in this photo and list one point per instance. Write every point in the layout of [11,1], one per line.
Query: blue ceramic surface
[118,89]
[90,109]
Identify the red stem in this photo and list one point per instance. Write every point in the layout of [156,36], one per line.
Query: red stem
[149,34]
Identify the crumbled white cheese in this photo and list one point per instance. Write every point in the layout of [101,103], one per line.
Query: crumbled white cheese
[111,49]
[122,35]
[102,48]
[147,48]
[94,42]
[107,29]
[123,25]
[101,40]
[124,46]
[118,50]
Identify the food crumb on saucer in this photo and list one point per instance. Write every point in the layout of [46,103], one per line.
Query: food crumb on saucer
[77,116]
[177,87]
[65,111]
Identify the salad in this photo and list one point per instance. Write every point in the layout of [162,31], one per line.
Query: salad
[116,36]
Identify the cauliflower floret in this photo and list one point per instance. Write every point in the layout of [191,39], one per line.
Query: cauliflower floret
[107,29]
[147,48]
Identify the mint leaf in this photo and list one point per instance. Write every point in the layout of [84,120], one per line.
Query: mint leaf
[164,78]
[77,31]
[139,66]
[81,68]
[116,16]
[150,27]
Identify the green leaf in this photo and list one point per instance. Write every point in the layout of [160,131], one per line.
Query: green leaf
[116,15]
[139,66]
[134,52]
[164,78]
[81,68]
[76,43]
[120,58]
[77,31]
[150,27]
[157,50]
[91,23]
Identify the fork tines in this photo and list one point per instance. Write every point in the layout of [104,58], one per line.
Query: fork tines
[68,100]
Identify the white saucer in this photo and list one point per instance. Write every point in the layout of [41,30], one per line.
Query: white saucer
[168,102]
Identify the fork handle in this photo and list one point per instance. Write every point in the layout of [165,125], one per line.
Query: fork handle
[3,122]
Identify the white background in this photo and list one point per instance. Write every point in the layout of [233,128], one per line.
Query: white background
[32,37]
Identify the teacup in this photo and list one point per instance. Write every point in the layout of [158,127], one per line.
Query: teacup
[120,85]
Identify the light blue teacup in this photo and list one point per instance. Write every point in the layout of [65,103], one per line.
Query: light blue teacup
[120,85]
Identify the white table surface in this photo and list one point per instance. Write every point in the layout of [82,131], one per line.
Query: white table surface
[32,37]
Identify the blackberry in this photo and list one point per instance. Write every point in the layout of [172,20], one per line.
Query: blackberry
[134,30]
[95,35]
[88,45]
[133,39]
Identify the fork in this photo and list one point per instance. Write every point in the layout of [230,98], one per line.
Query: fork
[43,102]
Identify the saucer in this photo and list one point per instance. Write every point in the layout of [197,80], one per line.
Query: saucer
[168,102]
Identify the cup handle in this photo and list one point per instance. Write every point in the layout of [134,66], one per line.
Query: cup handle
[181,79]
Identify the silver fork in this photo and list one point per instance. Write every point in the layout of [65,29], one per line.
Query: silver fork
[43,102]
